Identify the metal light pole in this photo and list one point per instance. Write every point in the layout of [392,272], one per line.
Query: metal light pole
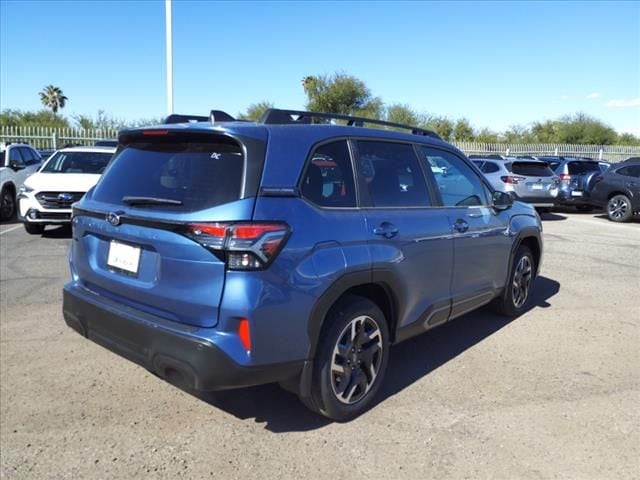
[167,7]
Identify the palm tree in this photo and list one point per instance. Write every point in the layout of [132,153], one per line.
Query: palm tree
[53,98]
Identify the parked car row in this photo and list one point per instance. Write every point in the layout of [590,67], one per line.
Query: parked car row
[550,181]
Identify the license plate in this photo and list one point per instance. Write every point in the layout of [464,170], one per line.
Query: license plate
[576,194]
[123,257]
[536,186]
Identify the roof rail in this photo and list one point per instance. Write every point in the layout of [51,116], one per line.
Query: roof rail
[214,116]
[275,116]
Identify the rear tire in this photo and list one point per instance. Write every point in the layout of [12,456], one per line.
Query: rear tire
[351,359]
[7,204]
[517,291]
[34,229]
[619,208]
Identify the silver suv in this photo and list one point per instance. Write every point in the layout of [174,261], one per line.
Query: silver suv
[530,181]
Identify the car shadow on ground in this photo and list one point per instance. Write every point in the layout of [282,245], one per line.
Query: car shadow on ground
[550,217]
[634,219]
[63,231]
[411,360]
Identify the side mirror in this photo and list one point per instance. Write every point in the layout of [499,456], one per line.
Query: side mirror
[502,200]
[15,165]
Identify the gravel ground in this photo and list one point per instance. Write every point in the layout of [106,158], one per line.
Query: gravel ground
[554,393]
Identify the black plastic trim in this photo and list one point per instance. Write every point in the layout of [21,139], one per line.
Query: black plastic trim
[200,365]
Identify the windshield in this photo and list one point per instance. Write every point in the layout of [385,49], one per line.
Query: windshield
[174,175]
[77,162]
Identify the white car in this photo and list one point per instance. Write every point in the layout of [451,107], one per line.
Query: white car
[17,162]
[46,196]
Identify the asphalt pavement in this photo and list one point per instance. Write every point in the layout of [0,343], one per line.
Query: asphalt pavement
[554,393]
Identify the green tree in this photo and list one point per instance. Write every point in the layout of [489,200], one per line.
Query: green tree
[403,114]
[463,131]
[628,139]
[42,118]
[517,134]
[341,93]
[255,111]
[486,135]
[443,126]
[53,98]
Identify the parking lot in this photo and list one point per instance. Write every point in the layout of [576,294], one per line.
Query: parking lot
[551,394]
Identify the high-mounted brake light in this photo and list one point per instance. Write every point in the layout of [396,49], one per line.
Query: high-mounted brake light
[247,246]
[155,132]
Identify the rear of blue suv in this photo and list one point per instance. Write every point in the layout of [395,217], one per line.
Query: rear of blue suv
[235,254]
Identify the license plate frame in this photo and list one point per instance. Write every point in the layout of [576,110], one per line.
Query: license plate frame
[537,187]
[124,258]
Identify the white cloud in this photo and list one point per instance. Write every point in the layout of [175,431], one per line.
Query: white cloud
[593,95]
[630,102]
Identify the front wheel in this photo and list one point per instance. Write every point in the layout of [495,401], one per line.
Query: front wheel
[619,208]
[351,359]
[7,204]
[517,291]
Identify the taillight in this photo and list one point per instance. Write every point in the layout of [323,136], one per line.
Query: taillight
[565,177]
[246,246]
[513,180]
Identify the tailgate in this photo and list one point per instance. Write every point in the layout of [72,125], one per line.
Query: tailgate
[129,241]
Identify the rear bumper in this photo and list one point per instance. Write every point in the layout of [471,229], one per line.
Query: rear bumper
[168,349]
[545,201]
[571,197]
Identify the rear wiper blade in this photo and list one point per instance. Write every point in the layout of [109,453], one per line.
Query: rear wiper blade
[150,201]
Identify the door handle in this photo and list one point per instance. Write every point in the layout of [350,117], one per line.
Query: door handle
[461,226]
[386,229]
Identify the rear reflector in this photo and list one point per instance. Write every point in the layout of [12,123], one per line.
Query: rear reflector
[245,334]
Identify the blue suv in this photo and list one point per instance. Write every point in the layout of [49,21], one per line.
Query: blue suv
[221,254]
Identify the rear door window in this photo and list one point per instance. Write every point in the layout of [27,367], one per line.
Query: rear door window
[392,174]
[531,169]
[175,174]
[328,180]
[629,171]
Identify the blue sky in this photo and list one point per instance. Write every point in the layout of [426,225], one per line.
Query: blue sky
[496,63]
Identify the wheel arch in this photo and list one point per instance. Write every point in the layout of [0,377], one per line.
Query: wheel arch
[355,283]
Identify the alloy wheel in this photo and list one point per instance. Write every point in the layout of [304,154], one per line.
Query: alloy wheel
[521,282]
[618,208]
[356,359]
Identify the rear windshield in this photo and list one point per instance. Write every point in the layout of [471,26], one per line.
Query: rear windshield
[176,175]
[77,162]
[577,168]
[531,169]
